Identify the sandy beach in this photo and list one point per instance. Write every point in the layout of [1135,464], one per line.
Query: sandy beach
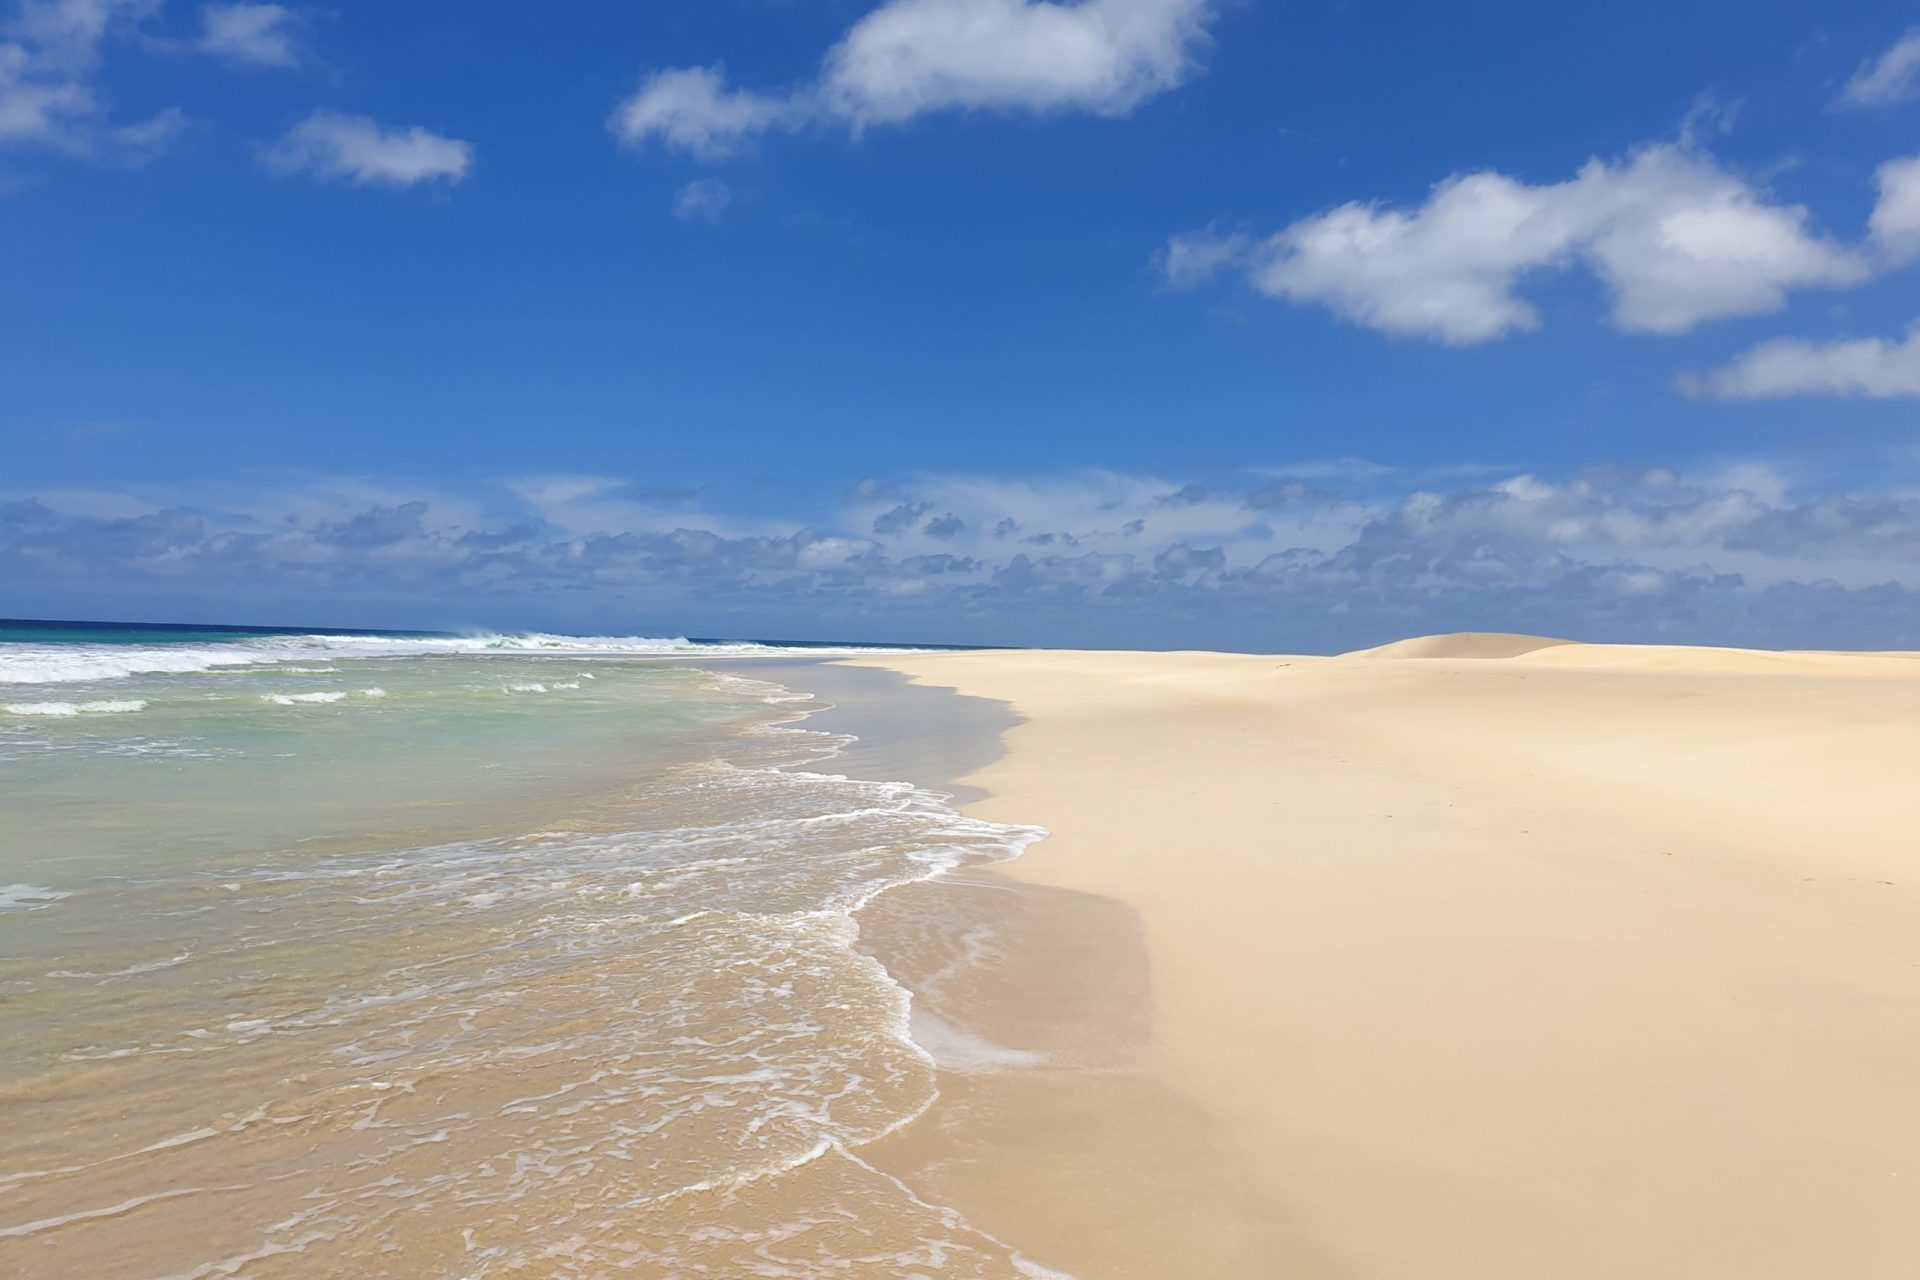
[829,641]
[1476,956]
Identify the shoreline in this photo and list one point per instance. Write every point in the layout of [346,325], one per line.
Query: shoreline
[1581,962]
[923,933]
[1033,1005]
[645,1028]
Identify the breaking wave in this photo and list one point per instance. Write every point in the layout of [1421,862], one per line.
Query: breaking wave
[76,663]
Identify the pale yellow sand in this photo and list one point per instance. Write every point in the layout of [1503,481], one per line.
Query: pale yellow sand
[1556,963]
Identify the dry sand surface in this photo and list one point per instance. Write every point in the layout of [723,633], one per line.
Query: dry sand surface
[1486,957]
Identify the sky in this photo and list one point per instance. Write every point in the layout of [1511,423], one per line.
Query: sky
[1155,323]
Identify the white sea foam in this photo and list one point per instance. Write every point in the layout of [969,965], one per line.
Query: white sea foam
[954,1048]
[75,663]
[132,970]
[103,706]
[26,897]
[766,691]
[293,699]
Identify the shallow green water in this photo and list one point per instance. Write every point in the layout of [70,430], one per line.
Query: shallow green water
[418,956]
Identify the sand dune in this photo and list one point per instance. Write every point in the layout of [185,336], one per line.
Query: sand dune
[1544,650]
[1587,963]
[1461,644]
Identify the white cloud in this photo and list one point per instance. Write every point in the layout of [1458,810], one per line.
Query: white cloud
[1444,271]
[1681,241]
[1091,513]
[1676,239]
[329,144]
[68,33]
[1891,78]
[1895,223]
[1872,367]
[35,106]
[584,505]
[703,198]
[1878,368]
[691,109]
[911,57]
[50,57]
[141,141]
[50,53]
[261,35]
[1193,259]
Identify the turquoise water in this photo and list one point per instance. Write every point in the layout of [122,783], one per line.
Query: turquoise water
[356,954]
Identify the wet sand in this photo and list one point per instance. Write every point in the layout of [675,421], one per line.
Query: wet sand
[1051,1131]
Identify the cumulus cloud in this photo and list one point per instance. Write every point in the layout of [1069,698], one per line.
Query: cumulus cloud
[329,144]
[910,57]
[1738,553]
[1870,367]
[703,199]
[913,57]
[1891,78]
[691,109]
[1676,239]
[1878,368]
[260,35]
[1895,223]
[50,54]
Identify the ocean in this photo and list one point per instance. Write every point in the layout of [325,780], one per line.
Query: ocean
[383,954]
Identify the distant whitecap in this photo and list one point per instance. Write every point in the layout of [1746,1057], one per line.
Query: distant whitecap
[101,707]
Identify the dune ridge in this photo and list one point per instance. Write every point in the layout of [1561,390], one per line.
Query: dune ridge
[1461,644]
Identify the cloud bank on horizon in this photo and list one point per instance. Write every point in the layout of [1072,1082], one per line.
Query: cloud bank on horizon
[1326,555]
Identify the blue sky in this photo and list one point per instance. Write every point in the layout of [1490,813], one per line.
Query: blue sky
[1155,322]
